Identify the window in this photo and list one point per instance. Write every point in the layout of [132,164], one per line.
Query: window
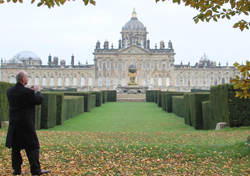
[67,81]
[115,80]
[152,65]
[167,81]
[82,81]
[144,65]
[90,81]
[152,82]
[59,81]
[160,65]
[123,81]
[135,78]
[123,64]
[108,65]
[168,65]
[185,80]
[159,81]
[12,79]
[116,65]
[52,81]
[44,81]
[200,81]
[177,80]
[36,80]
[29,81]
[100,64]
[208,80]
[126,43]
[215,81]
[74,81]
[108,81]
[100,80]
[142,43]
[193,81]
[223,81]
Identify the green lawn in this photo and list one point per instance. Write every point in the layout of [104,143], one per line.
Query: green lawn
[124,117]
[136,139]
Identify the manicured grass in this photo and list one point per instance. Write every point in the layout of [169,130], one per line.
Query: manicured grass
[124,117]
[136,139]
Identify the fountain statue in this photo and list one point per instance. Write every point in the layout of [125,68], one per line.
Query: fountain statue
[132,72]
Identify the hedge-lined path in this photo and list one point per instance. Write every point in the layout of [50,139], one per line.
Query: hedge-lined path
[125,117]
[136,139]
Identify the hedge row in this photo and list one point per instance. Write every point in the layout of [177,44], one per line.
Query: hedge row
[178,105]
[48,111]
[4,105]
[93,100]
[73,106]
[225,107]
[87,99]
[111,96]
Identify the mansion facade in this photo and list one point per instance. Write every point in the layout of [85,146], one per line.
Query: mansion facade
[156,67]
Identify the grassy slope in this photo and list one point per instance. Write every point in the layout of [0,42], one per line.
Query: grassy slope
[136,138]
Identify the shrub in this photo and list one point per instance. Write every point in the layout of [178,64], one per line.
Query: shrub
[93,100]
[87,99]
[177,106]
[168,99]
[150,96]
[225,107]
[4,104]
[48,112]
[111,97]
[195,107]
[98,98]
[206,115]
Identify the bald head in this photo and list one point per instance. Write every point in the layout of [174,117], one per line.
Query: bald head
[22,77]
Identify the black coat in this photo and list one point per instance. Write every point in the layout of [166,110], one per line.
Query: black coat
[21,131]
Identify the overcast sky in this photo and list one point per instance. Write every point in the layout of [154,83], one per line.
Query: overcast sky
[75,28]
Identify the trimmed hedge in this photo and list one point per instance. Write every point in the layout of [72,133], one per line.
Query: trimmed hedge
[111,97]
[48,112]
[156,95]
[159,97]
[207,121]
[186,109]
[225,107]
[105,96]
[60,108]
[93,100]
[38,110]
[150,96]
[168,100]
[193,110]
[73,106]
[98,98]
[87,99]
[177,106]
[199,90]
[4,104]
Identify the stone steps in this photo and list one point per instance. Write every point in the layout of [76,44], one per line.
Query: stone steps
[131,100]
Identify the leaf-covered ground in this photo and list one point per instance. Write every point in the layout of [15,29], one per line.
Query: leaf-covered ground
[135,139]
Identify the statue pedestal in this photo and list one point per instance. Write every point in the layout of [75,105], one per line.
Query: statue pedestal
[133,89]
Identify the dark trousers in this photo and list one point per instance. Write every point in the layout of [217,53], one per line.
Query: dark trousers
[33,156]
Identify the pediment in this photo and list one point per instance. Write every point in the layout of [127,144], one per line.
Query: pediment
[133,50]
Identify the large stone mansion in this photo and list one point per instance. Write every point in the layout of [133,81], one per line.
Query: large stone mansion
[156,67]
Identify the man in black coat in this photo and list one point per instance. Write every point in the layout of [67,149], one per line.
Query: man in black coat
[21,131]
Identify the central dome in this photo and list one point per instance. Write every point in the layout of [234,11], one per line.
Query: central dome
[134,23]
